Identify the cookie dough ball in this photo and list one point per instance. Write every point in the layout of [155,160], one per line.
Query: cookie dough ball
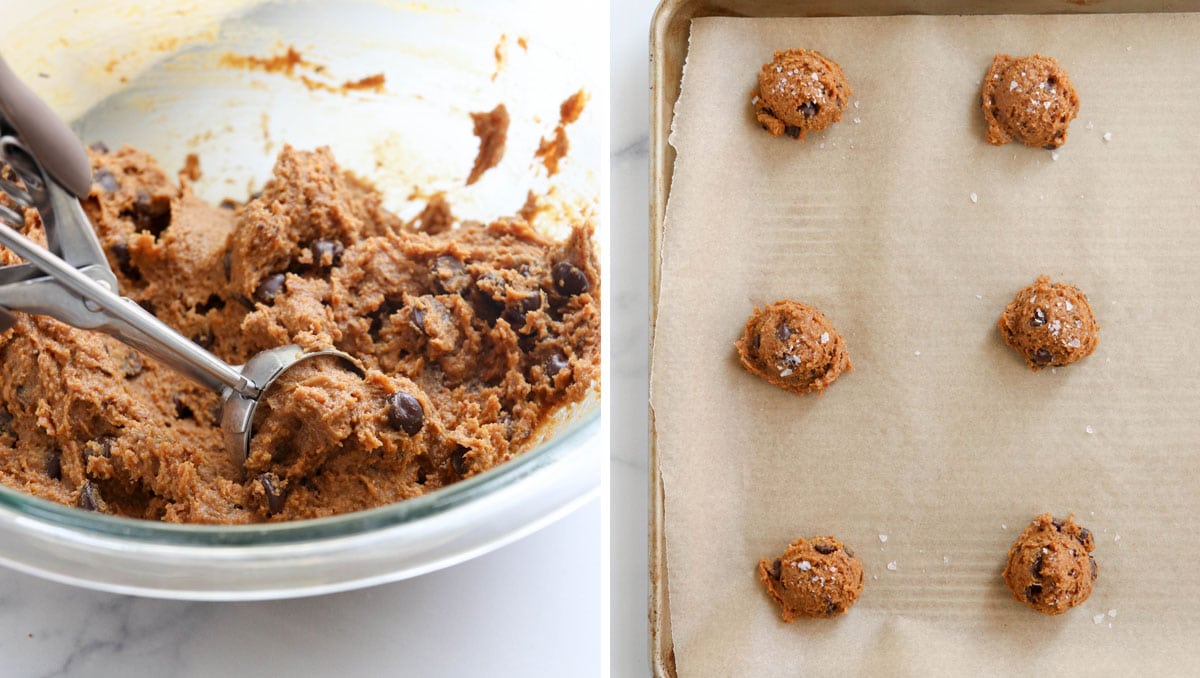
[1050,324]
[800,91]
[1029,99]
[794,347]
[818,577]
[1050,567]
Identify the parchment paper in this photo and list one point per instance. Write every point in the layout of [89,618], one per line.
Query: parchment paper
[941,439]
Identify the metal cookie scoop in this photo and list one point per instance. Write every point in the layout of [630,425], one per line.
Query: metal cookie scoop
[71,281]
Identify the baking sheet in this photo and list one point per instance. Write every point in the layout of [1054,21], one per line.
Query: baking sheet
[940,439]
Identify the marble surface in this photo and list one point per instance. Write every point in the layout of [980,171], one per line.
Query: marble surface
[474,619]
[629,280]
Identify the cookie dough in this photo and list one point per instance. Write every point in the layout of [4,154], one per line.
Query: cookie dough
[1029,99]
[793,346]
[817,577]
[471,340]
[800,91]
[1050,567]
[1050,324]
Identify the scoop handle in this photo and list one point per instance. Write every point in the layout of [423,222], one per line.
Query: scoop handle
[47,137]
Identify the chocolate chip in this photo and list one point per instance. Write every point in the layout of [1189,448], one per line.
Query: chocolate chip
[1033,592]
[783,332]
[327,253]
[1051,81]
[557,362]
[270,287]
[100,447]
[770,112]
[1042,356]
[776,569]
[792,131]
[89,497]
[824,549]
[147,305]
[515,314]
[1058,524]
[6,420]
[487,297]
[99,146]
[1038,319]
[106,180]
[132,365]
[151,213]
[182,411]
[228,204]
[120,254]
[450,275]
[272,490]
[458,459]
[417,319]
[54,464]
[1084,534]
[569,280]
[205,339]
[1036,569]
[405,413]
[1092,562]
[381,314]
[212,303]
[1049,147]
[808,109]
[831,607]
[227,264]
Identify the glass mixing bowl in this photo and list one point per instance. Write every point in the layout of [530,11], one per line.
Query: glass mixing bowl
[150,75]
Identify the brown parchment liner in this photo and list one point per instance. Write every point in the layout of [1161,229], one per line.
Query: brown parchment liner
[941,439]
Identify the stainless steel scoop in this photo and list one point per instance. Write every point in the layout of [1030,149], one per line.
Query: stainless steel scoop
[71,280]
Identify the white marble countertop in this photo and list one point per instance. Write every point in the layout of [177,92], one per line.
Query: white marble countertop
[629,329]
[474,619]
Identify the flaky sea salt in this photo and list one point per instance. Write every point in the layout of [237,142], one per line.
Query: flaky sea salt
[1117,537]
[1097,618]
[857,120]
[824,337]
[892,566]
[1089,429]
[1107,136]
[1004,526]
[945,560]
[1054,155]
[978,296]
[917,353]
[805,566]
[974,197]
[1089,125]
[1112,613]
[883,538]
[856,104]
